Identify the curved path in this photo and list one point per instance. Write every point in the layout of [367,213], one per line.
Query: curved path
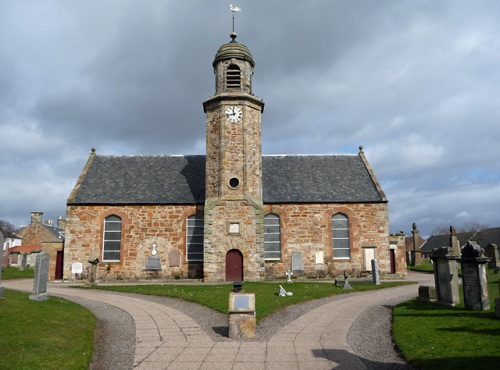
[350,331]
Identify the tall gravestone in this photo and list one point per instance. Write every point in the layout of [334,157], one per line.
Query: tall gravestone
[24,261]
[1,287]
[474,280]
[375,272]
[445,276]
[41,277]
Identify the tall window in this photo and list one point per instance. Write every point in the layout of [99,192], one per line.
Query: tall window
[233,77]
[194,239]
[272,237]
[112,239]
[340,236]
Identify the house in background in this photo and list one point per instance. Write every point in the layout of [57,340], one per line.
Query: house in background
[11,240]
[232,214]
[42,236]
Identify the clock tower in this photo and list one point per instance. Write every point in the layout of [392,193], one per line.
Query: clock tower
[234,219]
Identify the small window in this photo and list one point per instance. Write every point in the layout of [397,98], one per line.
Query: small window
[340,237]
[112,239]
[233,77]
[194,239]
[272,237]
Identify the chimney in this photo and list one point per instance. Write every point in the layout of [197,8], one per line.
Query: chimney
[36,217]
[61,223]
[48,222]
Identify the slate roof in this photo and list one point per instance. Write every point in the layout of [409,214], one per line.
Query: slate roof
[437,241]
[181,180]
[488,236]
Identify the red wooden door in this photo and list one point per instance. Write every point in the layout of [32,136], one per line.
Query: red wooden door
[59,265]
[393,261]
[234,265]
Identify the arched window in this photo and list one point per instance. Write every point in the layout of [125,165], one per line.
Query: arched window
[233,77]
[272,237]
[194,238]
[112,239]
[340,236]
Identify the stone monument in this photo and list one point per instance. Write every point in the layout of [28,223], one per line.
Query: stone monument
[346,281]
[416,253]
[474,280]
[375,272]
[242,321]
[1,287]
[445,276]
[492,253]
[24,261]
[297,264]
[41,277]
[92,271]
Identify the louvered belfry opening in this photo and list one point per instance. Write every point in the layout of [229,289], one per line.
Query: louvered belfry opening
[233,77]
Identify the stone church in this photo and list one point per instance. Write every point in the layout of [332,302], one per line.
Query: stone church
[232,214]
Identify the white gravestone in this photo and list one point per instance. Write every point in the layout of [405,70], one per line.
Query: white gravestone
[284,293]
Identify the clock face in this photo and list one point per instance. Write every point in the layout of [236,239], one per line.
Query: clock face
[234,114]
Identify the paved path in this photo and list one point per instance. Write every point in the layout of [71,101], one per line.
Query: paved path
[166,338]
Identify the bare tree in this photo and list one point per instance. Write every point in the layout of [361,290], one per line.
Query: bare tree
[464,227]
[7,227]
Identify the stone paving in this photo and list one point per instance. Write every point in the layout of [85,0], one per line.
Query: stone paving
[169,339]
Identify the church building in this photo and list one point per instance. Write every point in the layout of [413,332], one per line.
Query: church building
[232,214]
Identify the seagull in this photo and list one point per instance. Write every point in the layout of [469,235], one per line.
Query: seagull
[234,9]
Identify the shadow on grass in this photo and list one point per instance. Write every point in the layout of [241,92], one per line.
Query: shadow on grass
[465,329]
[459,363]
[431,309]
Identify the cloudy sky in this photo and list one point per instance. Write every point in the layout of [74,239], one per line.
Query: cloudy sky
[415,82]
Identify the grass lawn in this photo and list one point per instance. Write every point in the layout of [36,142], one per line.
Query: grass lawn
[267,299]
[14,273]
[435,337]
[53,334]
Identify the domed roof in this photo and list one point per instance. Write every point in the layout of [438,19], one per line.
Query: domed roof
[233,50]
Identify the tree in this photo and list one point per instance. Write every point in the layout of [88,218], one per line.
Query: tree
[464,227]
[7,227]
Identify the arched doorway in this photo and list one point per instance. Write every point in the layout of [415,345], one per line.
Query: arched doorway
[234,265]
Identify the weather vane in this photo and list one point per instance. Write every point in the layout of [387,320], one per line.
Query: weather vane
[234,9]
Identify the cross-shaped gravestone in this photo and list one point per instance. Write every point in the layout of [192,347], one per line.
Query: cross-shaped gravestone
[289,275]
[284,293]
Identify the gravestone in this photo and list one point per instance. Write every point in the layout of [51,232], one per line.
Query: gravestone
[289,275]
[41,277]
[426,293]
[346,281]
[242,321]
[445,276]
[1,287]
[492,252]
[375,272]
[284,293]
[297,266]
[92,271]
[174,258]
[77,269]
[24,261]
[474,280]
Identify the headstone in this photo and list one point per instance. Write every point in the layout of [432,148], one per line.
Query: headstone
[92,271]
[174,258]
[284,293]
[76,268]
[492,252]
[445,276]
[319,257]
[1,287]
[474,280]
[41,277]
[426,293]
[153,263]
[24,261]
[242,321]
[289,274]
[297,266]
[375,272]
[346,281]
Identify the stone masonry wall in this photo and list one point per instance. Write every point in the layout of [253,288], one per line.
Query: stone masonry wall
[141,227]
[306,228]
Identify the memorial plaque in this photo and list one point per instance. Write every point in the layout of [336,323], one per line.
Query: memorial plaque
[174,258]
[76,268]
[242,302]
[153,263]
[297,266]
